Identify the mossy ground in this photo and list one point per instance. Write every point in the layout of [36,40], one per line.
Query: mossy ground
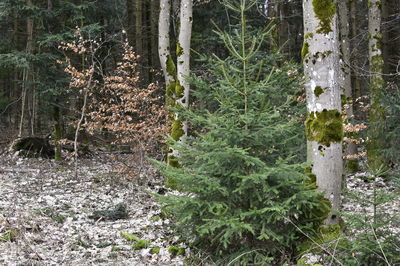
[176,251]
[326,236]
[141,244]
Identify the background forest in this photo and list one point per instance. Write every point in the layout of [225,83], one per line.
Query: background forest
[263,117]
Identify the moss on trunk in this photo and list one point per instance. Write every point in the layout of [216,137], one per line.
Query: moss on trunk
[325,127]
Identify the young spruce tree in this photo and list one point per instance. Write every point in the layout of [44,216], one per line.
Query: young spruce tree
[245,198]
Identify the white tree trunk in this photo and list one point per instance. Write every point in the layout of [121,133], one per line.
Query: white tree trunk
[183,54]
[324,122]
[163,38]
[177,86]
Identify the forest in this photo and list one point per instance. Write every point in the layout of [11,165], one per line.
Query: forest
[199,132]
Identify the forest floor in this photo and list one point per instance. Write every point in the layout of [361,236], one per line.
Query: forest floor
[46,215]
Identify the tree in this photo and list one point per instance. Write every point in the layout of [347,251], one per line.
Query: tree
[324,124]
[27,72]
[345,80]
[177,87]
[31,32]
[183,56]
[244,192]
[164,41]
[139,36]
[376,112]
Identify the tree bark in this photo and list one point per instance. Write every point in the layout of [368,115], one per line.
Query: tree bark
[345,78]
[146,38]
[57,132]
[324,122]
[153,33]
[354,23]
[26,71]
[138,34]
[283,29]
[376,113]
[163,39]
[131,21]
[183,55]
[177,86]
[385,36]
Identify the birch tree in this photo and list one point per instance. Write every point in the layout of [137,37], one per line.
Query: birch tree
[376,114]
[183,56]
[177,87]
[324,123]
[164,40]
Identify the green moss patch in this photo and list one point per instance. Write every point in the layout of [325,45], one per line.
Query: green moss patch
[326,236]
[318,91]
[170,94]
[128,237]
[176,251]
[325,127]
[155,218]
[171,68]
[155,250]
[312,177]
[377,65]
[305,50]
[330,232]
[308,35]
[176,130]
[324,10]
[179,89]
[10,235]
[141,244]
[179,49]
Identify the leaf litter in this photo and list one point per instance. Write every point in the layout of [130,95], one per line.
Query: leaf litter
[47,217]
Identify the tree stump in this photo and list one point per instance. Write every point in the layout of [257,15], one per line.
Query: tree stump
[33,147]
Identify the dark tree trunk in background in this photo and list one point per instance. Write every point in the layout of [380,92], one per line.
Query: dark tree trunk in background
[154,61]
[377,83]
[27,75]
[139,33]
[130,11]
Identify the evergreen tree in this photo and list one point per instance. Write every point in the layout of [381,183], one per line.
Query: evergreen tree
[245,197]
